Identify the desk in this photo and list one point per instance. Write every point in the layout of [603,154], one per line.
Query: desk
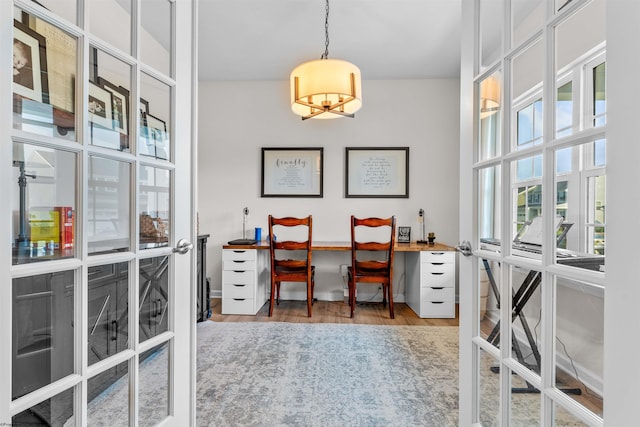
[430,276]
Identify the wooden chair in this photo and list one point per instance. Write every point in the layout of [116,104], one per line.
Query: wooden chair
[371,268]
[290,260]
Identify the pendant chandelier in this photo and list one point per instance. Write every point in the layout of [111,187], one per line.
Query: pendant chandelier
[326,88]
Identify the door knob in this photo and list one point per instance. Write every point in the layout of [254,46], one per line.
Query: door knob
[183,246]
[464,248]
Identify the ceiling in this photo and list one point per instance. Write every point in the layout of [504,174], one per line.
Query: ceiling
[386,39]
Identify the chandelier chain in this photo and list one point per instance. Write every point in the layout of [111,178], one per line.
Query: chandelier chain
[325,55]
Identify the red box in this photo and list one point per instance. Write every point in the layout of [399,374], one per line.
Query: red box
[67,219]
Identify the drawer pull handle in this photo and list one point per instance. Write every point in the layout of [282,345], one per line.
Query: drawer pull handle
[242,271]
[239,285]
[437,263]
[239,299]
[437,274]
[238,252]
[437,302]
[437,253]
[438,288]
[239,261]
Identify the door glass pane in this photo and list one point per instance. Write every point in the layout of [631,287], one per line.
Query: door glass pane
[490,32]
[599,96]
[489,206]
[108,211]
[109,101]
[489,117]
[44,83]
[572,52]
[108,296]
[155,132]
[118,11]
[528,220]
[489,390]
[579,334]
[154,207]
[596,207]
[526,309]
[564,110]
[581,203]
[43,203]
[489,301]
[527,18]
[108,397]
[154,385]
[154,297]
[525,402]
[526,81]
[155,34]
[57,411]
[42,325]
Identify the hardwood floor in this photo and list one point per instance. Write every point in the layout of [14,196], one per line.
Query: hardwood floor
[331,312]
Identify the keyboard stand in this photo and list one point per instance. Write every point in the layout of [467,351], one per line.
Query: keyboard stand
[519,300]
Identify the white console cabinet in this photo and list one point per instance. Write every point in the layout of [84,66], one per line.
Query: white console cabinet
[431,280]
[244,280]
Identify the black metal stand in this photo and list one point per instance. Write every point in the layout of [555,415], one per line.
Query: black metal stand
[520,298]
[22,241]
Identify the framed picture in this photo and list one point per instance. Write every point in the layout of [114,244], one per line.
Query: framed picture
[292,172]
[377,172]
[119,106]
[157,136]
[404,234]
[100,106]
[144,106]
[29,64]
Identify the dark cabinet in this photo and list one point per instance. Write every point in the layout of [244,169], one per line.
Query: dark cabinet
[204,299]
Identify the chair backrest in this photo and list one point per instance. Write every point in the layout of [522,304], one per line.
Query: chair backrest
[288,253]
[372,256]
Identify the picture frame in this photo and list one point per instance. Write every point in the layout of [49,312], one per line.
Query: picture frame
[376,172]
[404,234]
[119,107]
[100,106]
[29,64]
[157,136]
[292,172]
[146,146]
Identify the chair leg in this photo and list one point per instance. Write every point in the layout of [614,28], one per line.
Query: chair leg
[389,288]
[384,294]
[278,290]
[352,296]
[309,296]
[273,291]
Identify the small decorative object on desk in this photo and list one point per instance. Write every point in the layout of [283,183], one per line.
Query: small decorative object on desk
[404,234]
[431,237]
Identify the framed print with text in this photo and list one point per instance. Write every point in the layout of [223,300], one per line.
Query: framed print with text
[292,172]
[377,172]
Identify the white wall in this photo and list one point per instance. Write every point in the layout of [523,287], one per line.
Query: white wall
[236,119]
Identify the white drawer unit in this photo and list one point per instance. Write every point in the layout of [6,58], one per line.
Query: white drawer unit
[244,277]
[430,283]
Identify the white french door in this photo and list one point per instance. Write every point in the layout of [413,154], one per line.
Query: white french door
[533,205]
[97,299]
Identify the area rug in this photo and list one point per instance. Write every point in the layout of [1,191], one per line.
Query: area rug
[291,374]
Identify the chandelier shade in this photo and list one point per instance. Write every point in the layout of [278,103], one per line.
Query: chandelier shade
[326,89]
